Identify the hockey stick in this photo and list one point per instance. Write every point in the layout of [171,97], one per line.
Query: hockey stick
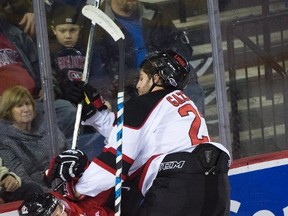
[107,24]
[85,75]
[97,17]
[120,122]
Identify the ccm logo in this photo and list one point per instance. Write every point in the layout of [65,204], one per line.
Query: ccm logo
[171,165]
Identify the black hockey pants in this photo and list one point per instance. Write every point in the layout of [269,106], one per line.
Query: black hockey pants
[190,184]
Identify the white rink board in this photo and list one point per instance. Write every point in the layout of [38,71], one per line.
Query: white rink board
[11,213]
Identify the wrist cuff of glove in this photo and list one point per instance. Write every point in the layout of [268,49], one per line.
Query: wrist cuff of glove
[99,103]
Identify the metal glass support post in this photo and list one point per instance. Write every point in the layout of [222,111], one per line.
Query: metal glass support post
[219,75]
[45,70]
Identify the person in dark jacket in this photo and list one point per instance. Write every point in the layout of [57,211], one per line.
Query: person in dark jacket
[146,28]
[19,13]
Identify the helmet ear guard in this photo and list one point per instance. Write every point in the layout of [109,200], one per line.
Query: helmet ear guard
[171,67]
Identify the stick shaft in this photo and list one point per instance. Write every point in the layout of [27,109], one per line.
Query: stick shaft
[85,76]
[120,122]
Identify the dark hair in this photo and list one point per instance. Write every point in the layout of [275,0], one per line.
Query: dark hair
[148,68]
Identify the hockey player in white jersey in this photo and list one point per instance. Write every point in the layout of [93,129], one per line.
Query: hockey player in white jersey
[167,152]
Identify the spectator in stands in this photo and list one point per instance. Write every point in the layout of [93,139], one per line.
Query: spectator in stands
[24,136]
[146,29]
[68,57]
[12,188]
[19,13]
[19,66]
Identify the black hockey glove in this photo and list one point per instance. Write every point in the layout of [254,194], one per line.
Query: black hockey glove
[68,166]
[67,189]
[93,101]
[76,94]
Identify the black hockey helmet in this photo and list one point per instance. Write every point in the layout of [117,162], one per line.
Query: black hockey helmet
[38,204]
[173,68]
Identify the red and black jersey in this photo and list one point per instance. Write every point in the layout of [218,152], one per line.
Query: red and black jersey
[68,64]
[12,70]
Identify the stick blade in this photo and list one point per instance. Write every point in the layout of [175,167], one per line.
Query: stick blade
[99,17]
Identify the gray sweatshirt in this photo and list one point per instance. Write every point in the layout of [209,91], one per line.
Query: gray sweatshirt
[15,156]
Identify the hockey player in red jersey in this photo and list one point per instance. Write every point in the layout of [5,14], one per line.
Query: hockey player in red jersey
[47,205]
[54,204]
[167,152]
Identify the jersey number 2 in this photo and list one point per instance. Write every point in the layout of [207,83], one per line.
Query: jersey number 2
[195,126]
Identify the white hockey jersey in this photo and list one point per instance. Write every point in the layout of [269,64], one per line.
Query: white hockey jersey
[155,124]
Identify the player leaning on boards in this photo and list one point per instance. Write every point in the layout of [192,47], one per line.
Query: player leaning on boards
[167,151]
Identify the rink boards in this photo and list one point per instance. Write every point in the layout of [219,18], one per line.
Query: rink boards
[258,187]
